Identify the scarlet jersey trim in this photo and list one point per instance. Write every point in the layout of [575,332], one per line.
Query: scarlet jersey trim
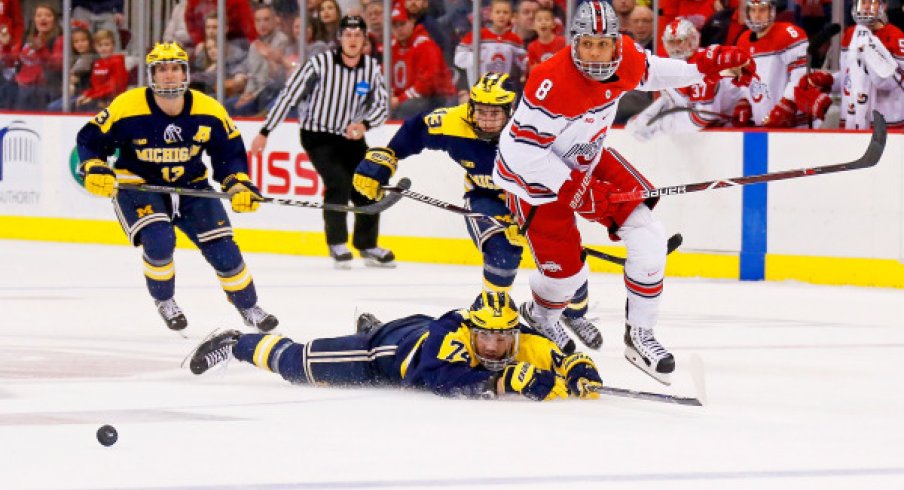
[531,135]
[538,191]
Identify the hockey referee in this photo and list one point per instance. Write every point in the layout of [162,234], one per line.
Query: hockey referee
[340,94]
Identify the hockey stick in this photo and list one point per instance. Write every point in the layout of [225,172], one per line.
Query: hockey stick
[695,365]
[869,158]
[375,208]
[673,243]
[673,110]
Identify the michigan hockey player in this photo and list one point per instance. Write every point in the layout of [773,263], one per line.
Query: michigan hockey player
[469,133]
[553,163]
[160,132]
[482,352]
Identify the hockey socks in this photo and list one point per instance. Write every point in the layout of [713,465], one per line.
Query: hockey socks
[273,353]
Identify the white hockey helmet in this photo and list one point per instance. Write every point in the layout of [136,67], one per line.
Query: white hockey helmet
[759,27]
[680,38]
[868,12]
[595,18]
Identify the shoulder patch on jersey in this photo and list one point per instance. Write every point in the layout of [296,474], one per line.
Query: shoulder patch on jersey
[128,104]
[450,121]
[205,105]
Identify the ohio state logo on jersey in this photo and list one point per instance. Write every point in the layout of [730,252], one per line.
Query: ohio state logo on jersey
[758,90]
[584,154]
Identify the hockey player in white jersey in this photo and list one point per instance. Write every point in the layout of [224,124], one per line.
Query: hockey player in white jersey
[704,101]
[871,68]
[780,51]
[553,163]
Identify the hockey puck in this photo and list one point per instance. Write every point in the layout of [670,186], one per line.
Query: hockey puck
[107,435]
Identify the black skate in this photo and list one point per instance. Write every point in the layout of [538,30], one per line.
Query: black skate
[556,333]
[171,314]
[367,323]
[258,318]
[645,352]
[378,257]
[585,330]
[215,349]
[342,256]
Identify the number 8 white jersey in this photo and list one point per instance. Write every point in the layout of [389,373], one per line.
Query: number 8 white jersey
[563,117]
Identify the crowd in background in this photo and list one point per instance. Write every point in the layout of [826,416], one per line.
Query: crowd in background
[431,50]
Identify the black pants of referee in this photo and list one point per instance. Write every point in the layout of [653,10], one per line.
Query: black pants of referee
[335,159]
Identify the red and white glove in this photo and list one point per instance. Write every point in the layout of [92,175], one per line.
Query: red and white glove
[716,58]
[811,94]
[782,115]
[587,195]
[742,117]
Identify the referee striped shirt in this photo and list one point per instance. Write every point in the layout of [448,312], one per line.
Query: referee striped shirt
[329,95]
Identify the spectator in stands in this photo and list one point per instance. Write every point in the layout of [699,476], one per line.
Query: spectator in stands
[176,30]
[330,15]
[9,61]
[40,61]
[640,25]
[109,77]
[418,10]
[547,42]
[312,46]
[351,7]
[266,74]
[100,14]
[238,47]
[83,57]
[501,50]
[558,11]
[524,21]
[239,19]
[421,80]
[11,17]
[812,15]
[204,69]
[373,16]
[623,9]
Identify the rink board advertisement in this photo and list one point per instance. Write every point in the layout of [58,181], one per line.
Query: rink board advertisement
[844,228]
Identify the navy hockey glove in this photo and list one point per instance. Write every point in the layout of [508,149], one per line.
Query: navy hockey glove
[100,179]
[374,171]
[587,195]
[245,196]
[581,376]
[537,384]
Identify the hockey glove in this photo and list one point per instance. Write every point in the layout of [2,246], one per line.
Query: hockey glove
[587,195]
[716,58]
[374,171]
[812,101]
[537,384]
[100,179]
[245,196]
[743,115]
[581,376]
[782,115]
[512,230]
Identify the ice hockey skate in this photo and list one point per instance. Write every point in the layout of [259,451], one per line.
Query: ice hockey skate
[556,333]
[366,323]
[215,349]
[585,330]
[645,352]
[258,318]
[342,256]
[171,314]
[378,257]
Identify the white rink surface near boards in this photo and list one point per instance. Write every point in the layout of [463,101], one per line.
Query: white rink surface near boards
[802,382]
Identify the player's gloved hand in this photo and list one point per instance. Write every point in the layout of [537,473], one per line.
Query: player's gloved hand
[717,58]
[537,384]
[512,230]
[245,196]
[581,376]
[100,179]
[742,117]
[782,115]
[823,80]
[587,195]
[812,101]
[374,171]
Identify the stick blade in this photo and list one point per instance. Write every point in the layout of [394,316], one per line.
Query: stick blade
[388,200]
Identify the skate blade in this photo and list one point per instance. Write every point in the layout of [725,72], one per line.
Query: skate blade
[636,359]
[695,366]
[378,264]
[343,265]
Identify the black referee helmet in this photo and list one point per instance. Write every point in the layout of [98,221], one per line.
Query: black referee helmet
[352,22]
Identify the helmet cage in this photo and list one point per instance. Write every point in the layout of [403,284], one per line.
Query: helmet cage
[494,314]
[759,27]
[868,12]
[507,358]
[598,19]
[683,31]
[493,89]
[171,92]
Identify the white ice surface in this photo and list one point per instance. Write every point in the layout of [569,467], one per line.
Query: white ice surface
[803,387]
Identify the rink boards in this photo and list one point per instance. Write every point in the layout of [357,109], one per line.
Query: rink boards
[845,228]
